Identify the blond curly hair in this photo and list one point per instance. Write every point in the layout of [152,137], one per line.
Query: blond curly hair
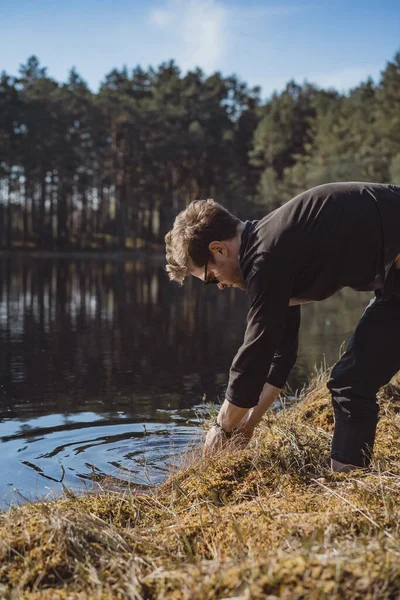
[201,223]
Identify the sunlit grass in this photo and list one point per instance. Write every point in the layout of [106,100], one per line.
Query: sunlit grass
[267,521]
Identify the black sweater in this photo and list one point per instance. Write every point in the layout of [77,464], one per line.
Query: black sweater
[329,237]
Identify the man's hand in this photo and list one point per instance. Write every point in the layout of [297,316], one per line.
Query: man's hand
[215,442]
[218,436]
[243,420]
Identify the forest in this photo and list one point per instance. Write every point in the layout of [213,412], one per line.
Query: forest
[81,170]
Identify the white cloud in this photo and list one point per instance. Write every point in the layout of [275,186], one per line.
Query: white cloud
[161,18]
[199,31]
[344,79]
[218,35]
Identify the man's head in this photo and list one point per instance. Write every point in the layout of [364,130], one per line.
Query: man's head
[204,242]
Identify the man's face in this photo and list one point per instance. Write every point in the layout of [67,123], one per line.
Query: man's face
[223,265]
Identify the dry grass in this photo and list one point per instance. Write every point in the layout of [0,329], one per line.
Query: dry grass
[270,521]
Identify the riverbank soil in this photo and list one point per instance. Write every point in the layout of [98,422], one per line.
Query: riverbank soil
[270,521]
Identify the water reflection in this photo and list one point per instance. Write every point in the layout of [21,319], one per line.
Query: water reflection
[104,361]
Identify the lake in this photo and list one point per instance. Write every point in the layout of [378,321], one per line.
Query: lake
[107,367]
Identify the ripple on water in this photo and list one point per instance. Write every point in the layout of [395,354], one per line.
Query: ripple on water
[42,455]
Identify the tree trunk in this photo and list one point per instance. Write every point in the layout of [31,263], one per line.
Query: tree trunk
[9,217]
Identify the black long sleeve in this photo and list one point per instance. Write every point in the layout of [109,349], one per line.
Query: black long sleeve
[286,354]
[269,295]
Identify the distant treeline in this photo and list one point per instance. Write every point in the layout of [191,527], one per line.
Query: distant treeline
[111,169]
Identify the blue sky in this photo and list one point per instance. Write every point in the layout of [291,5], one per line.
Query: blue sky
[333,43]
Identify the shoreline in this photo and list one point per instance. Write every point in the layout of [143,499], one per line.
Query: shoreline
[267,521]
[86,254]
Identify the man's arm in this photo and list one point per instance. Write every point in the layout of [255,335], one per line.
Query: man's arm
[231,416]
[268,396]
[271,325]
[284,359]
[229,413]
[269,289]
[286,354]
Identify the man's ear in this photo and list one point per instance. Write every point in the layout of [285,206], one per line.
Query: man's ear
[218,248]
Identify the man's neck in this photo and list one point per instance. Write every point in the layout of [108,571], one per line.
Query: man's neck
[239,233]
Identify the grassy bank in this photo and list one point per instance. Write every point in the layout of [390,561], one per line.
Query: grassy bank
[270,521]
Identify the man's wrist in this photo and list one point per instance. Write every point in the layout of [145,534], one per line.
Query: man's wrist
[230,416]
[223,432]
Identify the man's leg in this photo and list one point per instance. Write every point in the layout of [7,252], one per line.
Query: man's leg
[370,361]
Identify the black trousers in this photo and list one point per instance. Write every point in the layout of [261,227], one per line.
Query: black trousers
[370,361]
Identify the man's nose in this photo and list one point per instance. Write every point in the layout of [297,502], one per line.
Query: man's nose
[221,286]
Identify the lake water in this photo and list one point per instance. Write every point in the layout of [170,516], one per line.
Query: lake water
[106,367]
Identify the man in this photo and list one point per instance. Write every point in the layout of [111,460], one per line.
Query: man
[329,237]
